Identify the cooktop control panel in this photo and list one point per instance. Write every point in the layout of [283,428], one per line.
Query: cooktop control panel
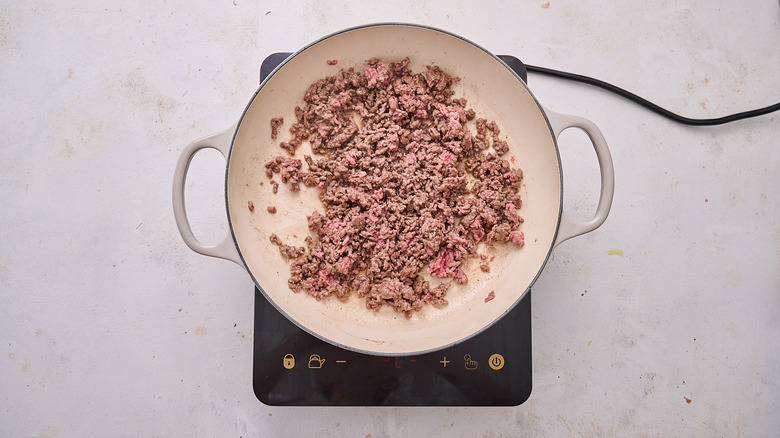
[292,367]
[295,368]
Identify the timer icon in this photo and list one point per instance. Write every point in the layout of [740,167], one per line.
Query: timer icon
[496,361]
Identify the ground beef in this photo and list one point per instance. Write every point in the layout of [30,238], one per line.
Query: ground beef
[276,122]
[407,187]
[271,209]
[288,168]
[287,250]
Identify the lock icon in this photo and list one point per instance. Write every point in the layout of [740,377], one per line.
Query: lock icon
[289,361]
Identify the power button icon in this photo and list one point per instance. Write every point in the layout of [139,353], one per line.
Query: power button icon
[496,361]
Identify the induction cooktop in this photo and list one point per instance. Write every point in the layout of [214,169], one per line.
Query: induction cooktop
[295,368]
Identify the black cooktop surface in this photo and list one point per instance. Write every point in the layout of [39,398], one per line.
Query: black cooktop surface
[294,368]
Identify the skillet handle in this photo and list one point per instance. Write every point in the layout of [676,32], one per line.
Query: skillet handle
[225,249]
[569,228]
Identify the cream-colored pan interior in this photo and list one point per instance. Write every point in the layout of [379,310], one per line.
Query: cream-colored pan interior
[492,91]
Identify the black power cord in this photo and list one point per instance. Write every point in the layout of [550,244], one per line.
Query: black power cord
[649,105]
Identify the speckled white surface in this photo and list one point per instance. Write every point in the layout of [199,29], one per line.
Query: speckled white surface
[111,326]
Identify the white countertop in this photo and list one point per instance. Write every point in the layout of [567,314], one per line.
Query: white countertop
[111,326]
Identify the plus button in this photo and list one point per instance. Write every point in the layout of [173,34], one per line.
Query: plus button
[444,362]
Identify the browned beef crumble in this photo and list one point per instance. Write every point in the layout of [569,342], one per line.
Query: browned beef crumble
[276,122]
[407,187]
[288,251]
